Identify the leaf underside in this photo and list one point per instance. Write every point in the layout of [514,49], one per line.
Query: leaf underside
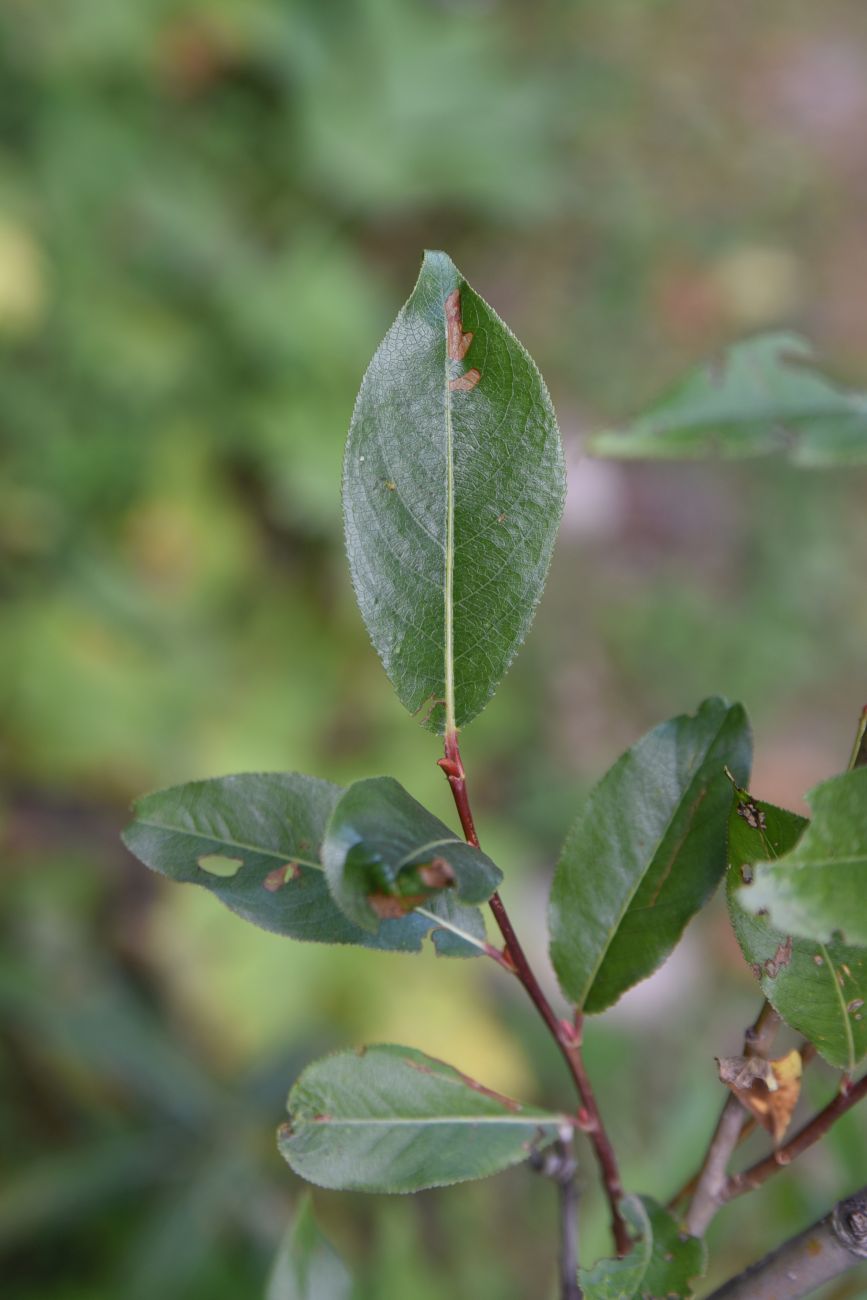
[819,889]
[818,988]
[762,397]
[453,489]
[646,853]
[390,1119]
[254,841]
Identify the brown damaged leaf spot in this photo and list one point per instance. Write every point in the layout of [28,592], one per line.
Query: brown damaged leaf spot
[781,958]
[390,907]
[436,874]
[277,878]
[769,1090]
[465,383]
[752,814]
[457,342]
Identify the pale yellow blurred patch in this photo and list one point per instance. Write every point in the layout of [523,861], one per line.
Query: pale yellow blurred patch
[758,285]
[244,991]
[23,282]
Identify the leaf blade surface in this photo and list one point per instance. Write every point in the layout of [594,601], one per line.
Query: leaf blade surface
[453,489]
[645,854]
[391,1119]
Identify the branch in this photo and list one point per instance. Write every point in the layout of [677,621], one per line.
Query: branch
[558,1163]
[811,1133]
[711,1179]
[832,1246]
[567,1037]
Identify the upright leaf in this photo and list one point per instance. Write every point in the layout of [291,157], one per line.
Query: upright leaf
[385,854]
[390,1119]
[819,889]
[645,854]
[453,489]
[763,396]
[254,841]
[307,1266]
[818,988]
[662,1265]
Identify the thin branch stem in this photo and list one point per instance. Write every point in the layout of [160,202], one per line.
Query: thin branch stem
[711,1178]
[829,1248]
[558,1164]
[566,1036]
[808,1136]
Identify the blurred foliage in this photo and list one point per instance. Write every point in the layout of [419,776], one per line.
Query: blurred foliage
[209,211]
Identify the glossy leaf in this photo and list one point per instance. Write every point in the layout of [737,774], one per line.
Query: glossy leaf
[662,1265]
[453,490]
[646,853]
[819,989]
[385,854]
[254,841]
[819,889]
[390,1119]
[307,1266]
[764,396]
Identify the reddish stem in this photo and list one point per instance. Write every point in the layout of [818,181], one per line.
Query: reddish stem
[567,1037]
[810,1134]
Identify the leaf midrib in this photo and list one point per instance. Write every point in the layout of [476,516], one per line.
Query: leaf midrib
[448,581]
[228,843]
[525,1121]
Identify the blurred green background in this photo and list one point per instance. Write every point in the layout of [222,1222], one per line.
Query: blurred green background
[210,210]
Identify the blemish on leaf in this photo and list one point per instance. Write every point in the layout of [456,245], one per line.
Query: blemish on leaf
[465,383]
[391,485]
[457,342]
[436,874]
[855,1005]
[781,958]
[389,907]
[756,969]
[752,814]
[819,959]
[501,519]
[747,874]
[216,864]
[280,875]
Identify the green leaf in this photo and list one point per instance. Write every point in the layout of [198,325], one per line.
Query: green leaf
[254,841]
[390,1119]
[819,889]
[818,988]
[453,490]
[645,854]
[385,854]
[307,1267]
[662,1265]
[763,397]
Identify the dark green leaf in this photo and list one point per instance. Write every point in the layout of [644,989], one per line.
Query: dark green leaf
[819,889]
[453,490]
[390,1119]
[762,397]
[385,854]
[819,989]
[645,854]
[254,841]
[307,1267]
[662,1265]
